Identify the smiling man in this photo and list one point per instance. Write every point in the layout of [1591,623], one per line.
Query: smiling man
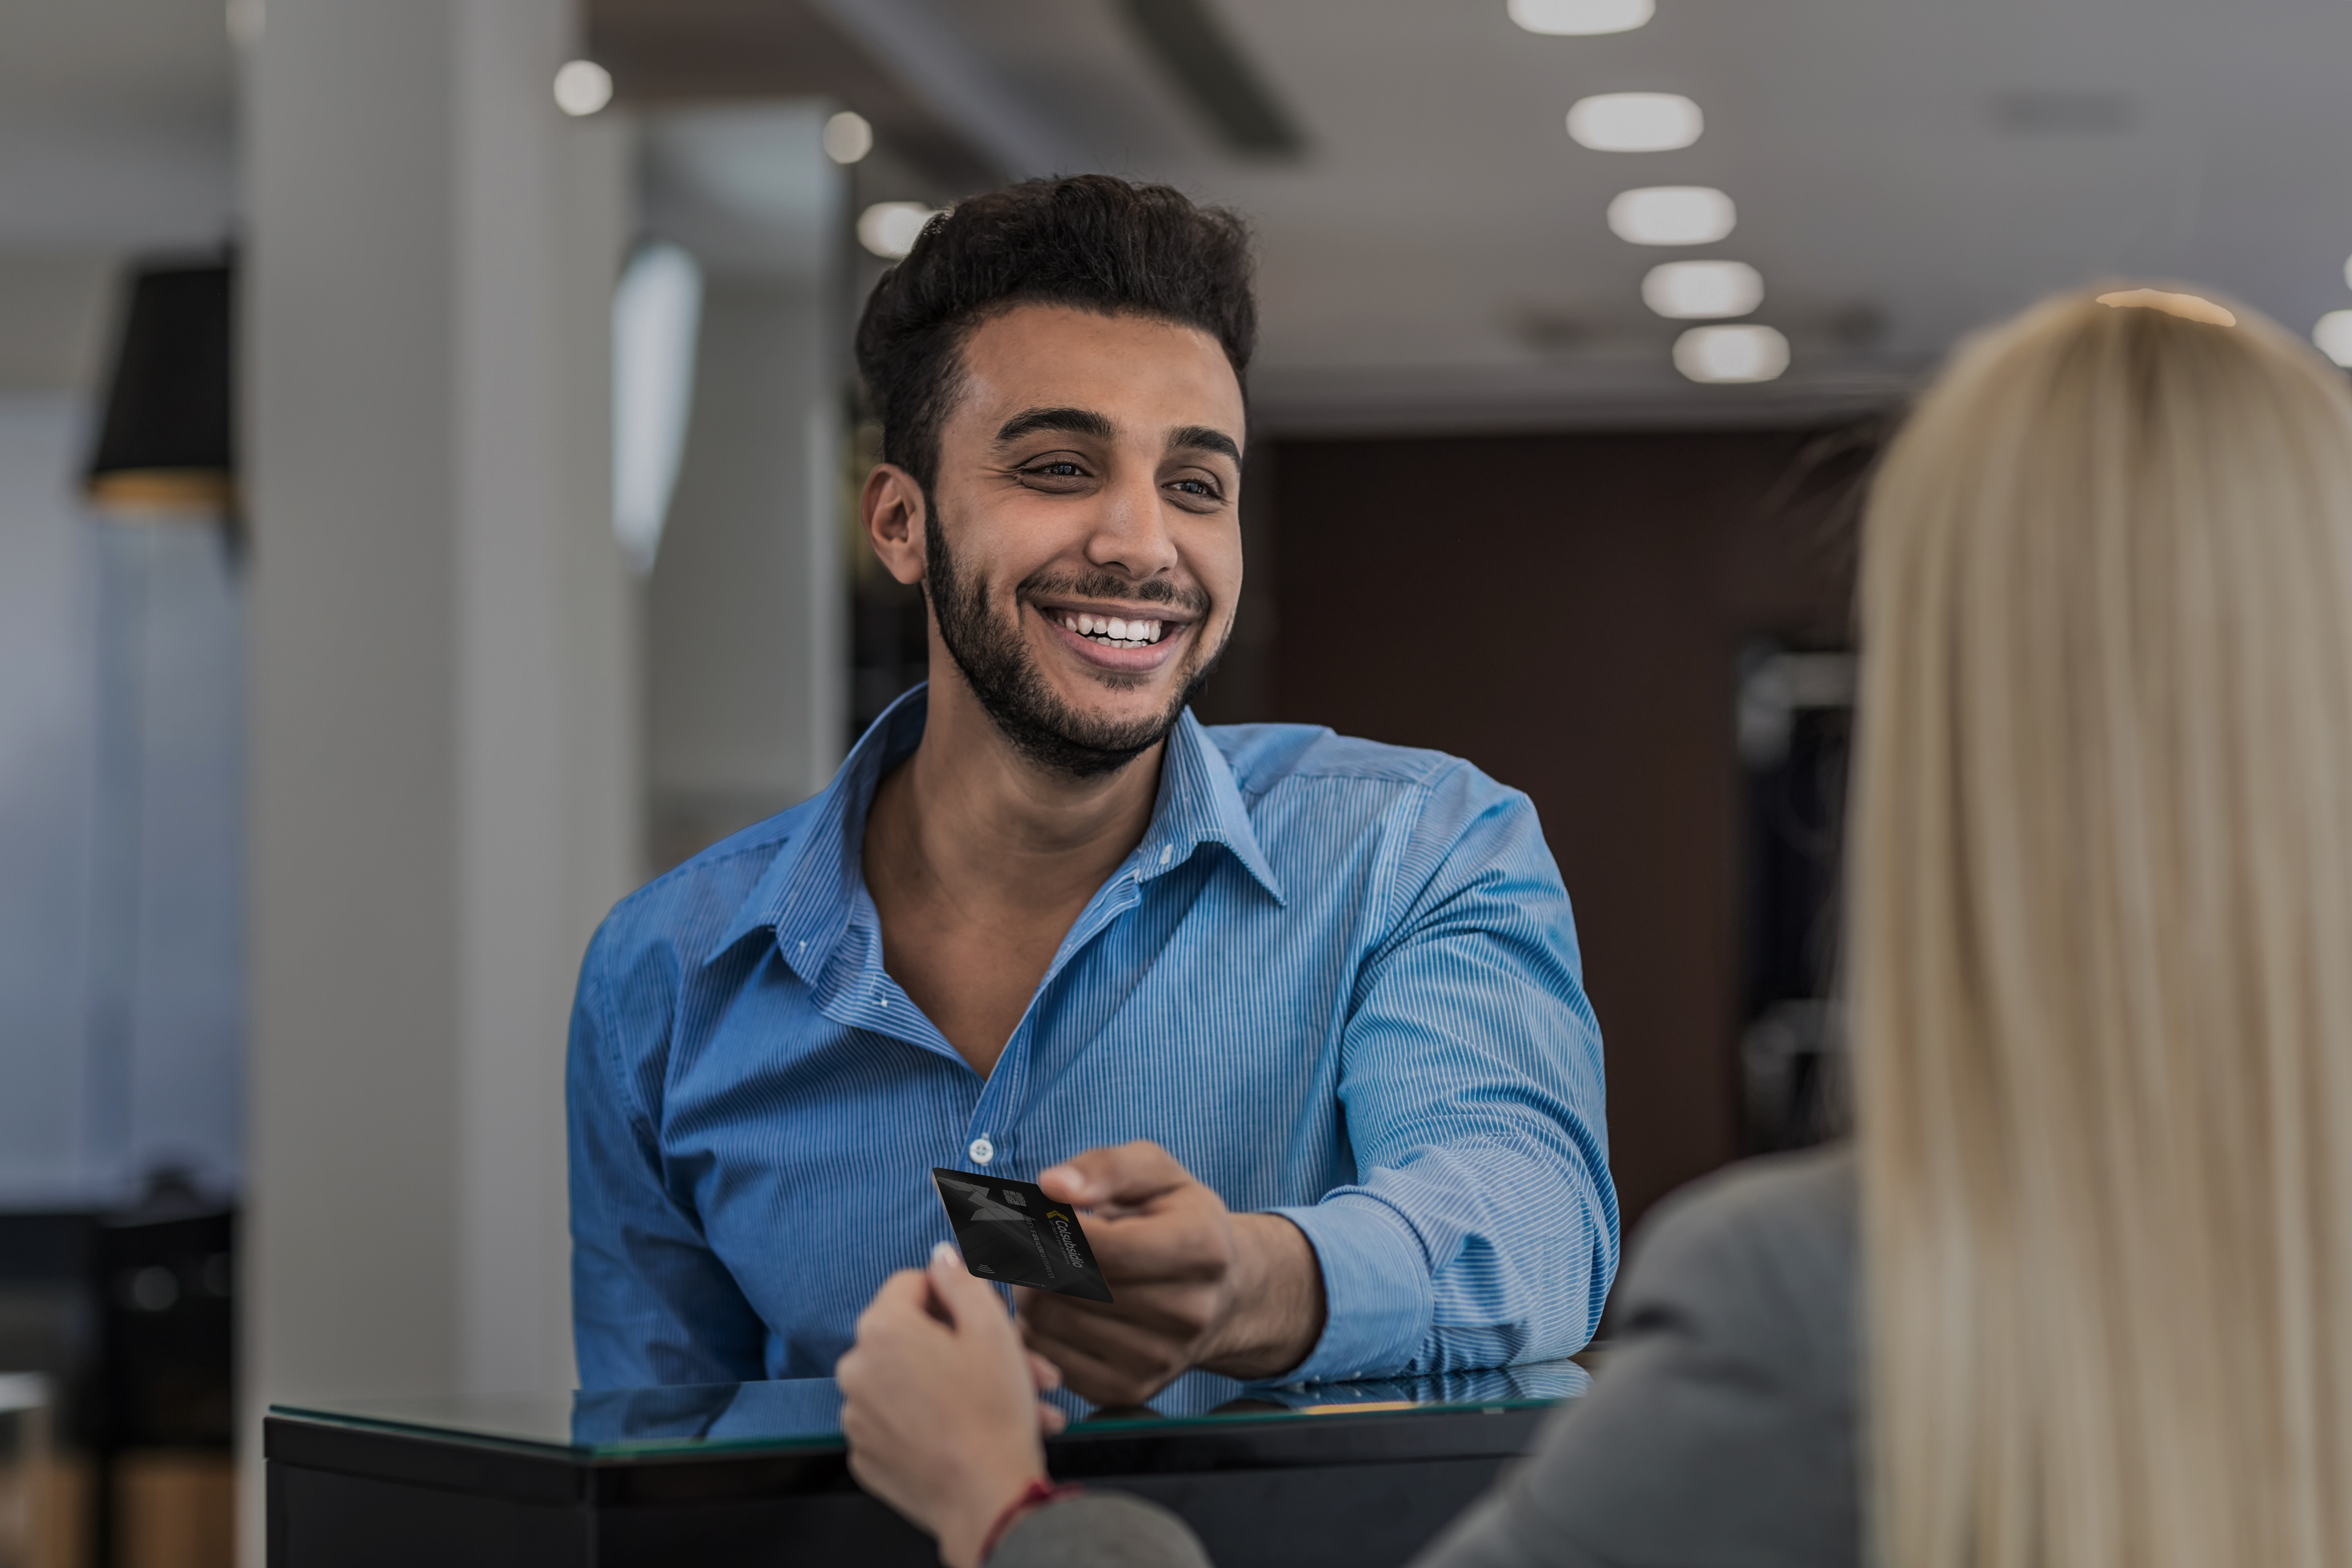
[1297,1019]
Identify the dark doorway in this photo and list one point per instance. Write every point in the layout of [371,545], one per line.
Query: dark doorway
[1569,613]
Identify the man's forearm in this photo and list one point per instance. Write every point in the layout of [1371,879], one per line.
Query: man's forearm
[1279,1310]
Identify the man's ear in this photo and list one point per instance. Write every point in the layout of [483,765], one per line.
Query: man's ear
[892,508]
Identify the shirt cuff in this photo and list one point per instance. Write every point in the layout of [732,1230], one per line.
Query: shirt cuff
[1377,1299]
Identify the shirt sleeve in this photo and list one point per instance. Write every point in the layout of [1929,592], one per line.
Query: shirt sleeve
[1482,1227]
[651,1302]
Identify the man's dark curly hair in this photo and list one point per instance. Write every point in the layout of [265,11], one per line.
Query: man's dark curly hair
[1086,240]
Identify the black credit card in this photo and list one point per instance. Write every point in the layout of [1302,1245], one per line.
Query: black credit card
[1012,1233]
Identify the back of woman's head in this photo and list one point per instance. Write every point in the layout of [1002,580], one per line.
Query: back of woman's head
[2102,965]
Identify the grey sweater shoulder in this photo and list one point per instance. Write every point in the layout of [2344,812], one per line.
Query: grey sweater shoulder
[1100,1530]
[1724,1428]
[1722,1431]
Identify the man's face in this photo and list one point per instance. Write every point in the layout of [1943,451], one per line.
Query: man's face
[1082,552]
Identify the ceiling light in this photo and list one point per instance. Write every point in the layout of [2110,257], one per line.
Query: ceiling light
[847,137]
[1741,352]
[1572,16]
[582,87]
[1671,214]
[890,229]
[1693,290]
[1635,121]
[2347,272]
[2334,336]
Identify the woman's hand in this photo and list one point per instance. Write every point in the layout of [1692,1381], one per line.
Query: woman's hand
[940,1407]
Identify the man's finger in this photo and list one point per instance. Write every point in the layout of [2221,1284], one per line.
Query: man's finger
[1128,1175]
[1169,1311]
[1114,1340]
[1099,1381]
[1182,1243]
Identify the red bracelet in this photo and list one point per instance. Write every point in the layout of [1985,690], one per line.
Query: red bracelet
[1037,1494]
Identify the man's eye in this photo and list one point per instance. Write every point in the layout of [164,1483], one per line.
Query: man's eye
[1056,470]
[1197,488]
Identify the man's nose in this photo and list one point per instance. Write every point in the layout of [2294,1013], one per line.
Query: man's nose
[1130,534]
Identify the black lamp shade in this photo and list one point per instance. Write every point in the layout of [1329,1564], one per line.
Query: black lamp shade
[167,440]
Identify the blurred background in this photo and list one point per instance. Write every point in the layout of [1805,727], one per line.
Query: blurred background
[426,443]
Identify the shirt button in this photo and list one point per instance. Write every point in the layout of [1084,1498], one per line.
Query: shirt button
[982,1151]
[1167,853]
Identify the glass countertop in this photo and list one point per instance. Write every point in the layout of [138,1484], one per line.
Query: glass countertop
[804,1412]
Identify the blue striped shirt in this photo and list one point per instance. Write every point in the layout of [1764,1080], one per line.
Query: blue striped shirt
[1337,980]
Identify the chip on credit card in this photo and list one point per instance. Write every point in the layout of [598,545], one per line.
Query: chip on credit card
[1011,1232]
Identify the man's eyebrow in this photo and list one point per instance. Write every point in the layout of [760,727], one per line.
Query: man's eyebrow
[1200,438]
[1072,421]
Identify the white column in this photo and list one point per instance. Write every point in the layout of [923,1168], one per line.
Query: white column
[546,755]
[443,685]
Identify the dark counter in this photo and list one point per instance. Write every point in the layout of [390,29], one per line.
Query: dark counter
[729,1474]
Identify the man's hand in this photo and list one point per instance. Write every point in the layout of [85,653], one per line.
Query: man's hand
[1197,1284]
[939,1405]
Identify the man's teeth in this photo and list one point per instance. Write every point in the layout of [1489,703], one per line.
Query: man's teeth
[1112,629]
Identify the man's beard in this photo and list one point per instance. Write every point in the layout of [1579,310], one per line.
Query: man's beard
[997,665]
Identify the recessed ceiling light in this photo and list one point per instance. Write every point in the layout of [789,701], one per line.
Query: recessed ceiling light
[1635,121]
[582,87]
[1693,290]
[890,229]
[847,137]
[2347,271]
[1574,16]
[2334,336]
[1741,352]
[1671,214]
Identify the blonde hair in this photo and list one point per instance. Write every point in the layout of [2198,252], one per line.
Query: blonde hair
[2102,953]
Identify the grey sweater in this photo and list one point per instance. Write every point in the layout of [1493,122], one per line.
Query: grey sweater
[1722,1432]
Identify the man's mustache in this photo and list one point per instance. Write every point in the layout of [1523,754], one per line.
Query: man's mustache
[1102,585]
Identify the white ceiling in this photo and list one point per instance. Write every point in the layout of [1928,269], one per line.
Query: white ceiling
[1441,258]
[117,121]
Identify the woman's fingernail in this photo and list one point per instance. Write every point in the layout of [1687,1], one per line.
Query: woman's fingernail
[945,1252]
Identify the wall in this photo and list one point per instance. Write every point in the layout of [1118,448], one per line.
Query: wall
[745,627]
[48,757]
[1566,612]
[746,612]
[121,796]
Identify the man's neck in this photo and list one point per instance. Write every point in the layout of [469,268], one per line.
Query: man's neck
[974,824]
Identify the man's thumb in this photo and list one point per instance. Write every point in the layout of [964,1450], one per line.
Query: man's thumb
[1129,1173]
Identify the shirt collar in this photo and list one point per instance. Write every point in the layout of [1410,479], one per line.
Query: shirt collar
[1201,804]
[808,893]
